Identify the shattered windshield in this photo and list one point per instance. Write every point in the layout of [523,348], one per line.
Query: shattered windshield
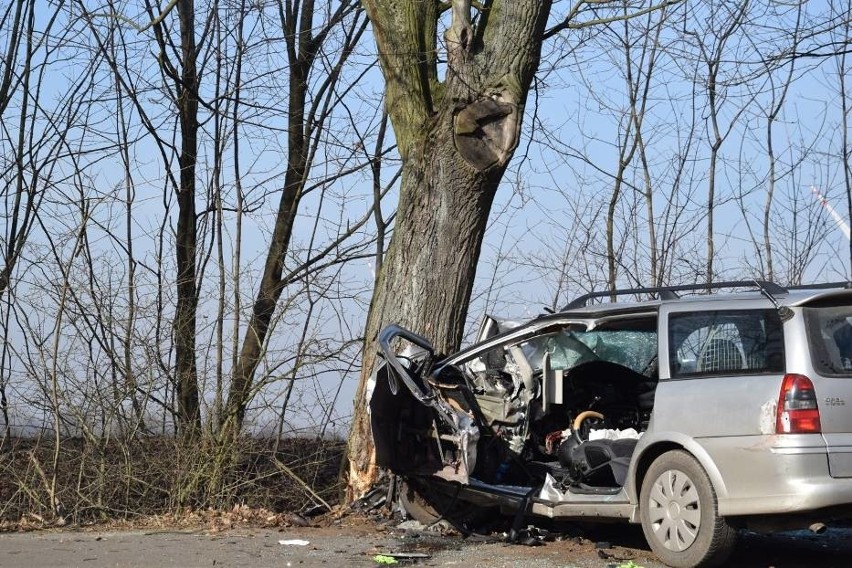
[633,349]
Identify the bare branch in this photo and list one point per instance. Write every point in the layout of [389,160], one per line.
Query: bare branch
[569,24]
[129,21]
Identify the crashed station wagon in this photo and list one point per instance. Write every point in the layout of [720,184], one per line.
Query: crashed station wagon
[694,415]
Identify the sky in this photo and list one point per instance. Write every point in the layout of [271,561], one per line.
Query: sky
[546,240]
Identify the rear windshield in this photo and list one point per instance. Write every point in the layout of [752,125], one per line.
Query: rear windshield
[830,339]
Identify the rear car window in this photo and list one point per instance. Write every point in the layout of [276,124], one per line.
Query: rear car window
[735,342]
[830,339]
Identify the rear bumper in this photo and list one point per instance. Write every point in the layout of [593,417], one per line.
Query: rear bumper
[766,475]
[803,496]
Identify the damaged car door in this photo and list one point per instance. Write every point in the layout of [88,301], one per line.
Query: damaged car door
[420,426]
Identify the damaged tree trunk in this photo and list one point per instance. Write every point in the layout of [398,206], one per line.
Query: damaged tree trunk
[455,137]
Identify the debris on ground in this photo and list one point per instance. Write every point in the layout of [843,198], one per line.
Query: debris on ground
[627,564]
[408,555]
[441,527]
[294,542]
[530,536]
[396,557]
[375,498]
[411,525]
[313,511]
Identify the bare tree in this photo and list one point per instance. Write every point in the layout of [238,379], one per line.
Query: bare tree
[843,37]
[305,123]
[191,221]
[638,69]
[779,96]
[186,236]
[715,30]
[20,197]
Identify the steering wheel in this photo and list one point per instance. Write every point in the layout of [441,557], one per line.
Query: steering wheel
[583,424]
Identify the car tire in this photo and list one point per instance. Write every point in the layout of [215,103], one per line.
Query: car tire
[415,504]
[679,513]
[428,506]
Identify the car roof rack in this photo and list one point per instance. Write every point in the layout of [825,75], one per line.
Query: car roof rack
[822,285]
[671,292]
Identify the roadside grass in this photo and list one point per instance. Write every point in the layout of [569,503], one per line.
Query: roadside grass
[162,479]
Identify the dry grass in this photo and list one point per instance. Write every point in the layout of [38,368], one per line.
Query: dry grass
[163,480]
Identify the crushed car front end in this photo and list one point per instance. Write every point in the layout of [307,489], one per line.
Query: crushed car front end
[420,427]
[506,422]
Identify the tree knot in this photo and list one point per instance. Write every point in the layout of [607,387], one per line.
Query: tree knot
[485,131]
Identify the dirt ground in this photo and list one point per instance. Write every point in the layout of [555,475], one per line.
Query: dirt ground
[355,540]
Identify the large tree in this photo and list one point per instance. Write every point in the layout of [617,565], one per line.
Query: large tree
[456,134]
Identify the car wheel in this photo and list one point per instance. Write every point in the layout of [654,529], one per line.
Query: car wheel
[415,504]
[679,513]
[428,506]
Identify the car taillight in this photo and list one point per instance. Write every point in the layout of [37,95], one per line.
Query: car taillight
[797,407]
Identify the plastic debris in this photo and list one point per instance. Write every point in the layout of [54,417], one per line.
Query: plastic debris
[313,511]
[294,542]
[395,557]
[411,525]
[530,536]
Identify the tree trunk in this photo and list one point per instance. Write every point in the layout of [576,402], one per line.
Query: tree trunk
[427,275]
[189,413]
[455,139]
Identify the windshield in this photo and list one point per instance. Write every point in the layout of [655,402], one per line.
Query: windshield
[633,349]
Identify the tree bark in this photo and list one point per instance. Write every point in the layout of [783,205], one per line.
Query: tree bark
[189,413]
[455,138]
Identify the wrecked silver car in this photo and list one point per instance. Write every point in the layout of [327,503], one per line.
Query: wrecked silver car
[693,415]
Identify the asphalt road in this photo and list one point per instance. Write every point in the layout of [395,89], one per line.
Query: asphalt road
[356,542]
